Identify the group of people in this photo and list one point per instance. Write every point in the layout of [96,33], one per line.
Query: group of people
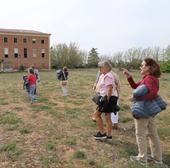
[107,93]
[32,79]
[30,83]
[107,90]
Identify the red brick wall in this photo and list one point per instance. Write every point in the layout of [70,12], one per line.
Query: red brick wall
[15,63]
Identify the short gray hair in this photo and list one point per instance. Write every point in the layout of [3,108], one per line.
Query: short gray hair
[105,64]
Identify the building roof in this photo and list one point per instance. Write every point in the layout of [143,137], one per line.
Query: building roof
[20,31]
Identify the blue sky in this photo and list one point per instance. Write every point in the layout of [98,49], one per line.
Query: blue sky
[109,25]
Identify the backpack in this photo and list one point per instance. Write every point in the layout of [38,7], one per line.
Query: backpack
[59,74]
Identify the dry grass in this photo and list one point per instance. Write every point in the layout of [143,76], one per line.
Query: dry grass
[56,131]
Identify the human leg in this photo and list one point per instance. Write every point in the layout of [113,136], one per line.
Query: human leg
[156,151]
[64,89]
[108,123]
[114,119]
[93,117]
[140,130]
[31,93]
[99,121]
[100,134]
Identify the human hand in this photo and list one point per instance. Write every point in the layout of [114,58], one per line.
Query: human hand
[127,73]
[94,87]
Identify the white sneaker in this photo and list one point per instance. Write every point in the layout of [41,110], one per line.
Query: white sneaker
[138,160]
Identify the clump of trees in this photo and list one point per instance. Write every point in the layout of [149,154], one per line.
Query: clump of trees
[72,57]
[132,58]
[67,55]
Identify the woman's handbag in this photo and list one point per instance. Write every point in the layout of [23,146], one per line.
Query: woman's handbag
[147,108]
[101,101]
[96,98]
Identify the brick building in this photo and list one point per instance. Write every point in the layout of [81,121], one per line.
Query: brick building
[24,48]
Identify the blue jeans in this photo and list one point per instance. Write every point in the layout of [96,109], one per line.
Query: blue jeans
[31,92]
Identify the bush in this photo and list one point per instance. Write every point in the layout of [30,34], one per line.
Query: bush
[21,68]
[165,66]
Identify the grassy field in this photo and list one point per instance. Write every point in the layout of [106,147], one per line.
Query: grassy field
[57,132]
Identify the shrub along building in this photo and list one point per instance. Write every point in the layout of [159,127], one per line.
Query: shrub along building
[24,48]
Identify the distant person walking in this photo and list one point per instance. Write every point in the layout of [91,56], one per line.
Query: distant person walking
[62,75]
[145,127]
[36,73]
[32,84]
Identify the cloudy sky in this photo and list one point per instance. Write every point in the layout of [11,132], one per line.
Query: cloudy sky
[109,25]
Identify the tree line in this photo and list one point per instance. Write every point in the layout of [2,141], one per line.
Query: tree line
[73,57]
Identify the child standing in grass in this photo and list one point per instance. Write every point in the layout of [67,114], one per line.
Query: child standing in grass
[32,84]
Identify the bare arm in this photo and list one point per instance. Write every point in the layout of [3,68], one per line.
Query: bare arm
[109,91]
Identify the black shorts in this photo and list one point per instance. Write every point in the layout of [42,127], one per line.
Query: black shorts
[107,107]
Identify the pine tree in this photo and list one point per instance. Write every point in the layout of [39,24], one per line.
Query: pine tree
[93,58]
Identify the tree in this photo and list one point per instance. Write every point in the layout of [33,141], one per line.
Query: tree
[167,53]
[67,55]
[93,58]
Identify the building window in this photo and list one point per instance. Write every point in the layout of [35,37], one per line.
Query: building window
[15,40]
[25,53]
[42,53]
[33,41]
[34,53]
[24,40]
[6,52]
[42,41]
[16,52]
[5,40]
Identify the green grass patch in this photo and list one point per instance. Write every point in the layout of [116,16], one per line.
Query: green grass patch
[91,162]
[43,100]
[124,107]
[50,159]
[127,151]
[50,145]
[72,111]
[166,159]
[11,149]
[164,120]
[9,119]
[12,127]
[79,155]
[124,119]
[24,131]
[3,101]
[55,113]
[40,108]
[71,141]
[164,132]
[11,146]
